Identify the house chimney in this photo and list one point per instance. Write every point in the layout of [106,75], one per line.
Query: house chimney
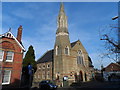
[19,34]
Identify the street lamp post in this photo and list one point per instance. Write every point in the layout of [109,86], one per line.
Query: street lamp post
[114,18]
[119,31]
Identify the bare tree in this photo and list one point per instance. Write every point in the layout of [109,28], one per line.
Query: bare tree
[111,37]
[109,34]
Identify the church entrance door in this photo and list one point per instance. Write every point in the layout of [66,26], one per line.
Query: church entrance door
[80,76]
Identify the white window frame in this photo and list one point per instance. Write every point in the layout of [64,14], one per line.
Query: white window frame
[48,74]
[2,55]
[47,65]
[39,67]
[43,66]
[38,76]
[43,75]
[57,50]
[12,57]
[9,78]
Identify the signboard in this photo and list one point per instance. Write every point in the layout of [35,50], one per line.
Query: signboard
[65,78]
[30,69]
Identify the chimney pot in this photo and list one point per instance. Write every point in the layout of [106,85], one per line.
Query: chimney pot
[19,34]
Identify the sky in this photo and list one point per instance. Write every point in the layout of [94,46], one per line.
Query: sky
[39,21]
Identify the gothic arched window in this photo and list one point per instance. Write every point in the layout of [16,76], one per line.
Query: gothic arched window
[57,50]
[67,50]
[80,57]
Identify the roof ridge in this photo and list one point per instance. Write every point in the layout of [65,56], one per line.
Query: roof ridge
[112,63]
[4,34]
[117,64]
[44,54]
[73,43]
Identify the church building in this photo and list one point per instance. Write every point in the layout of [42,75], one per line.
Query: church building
[67,61]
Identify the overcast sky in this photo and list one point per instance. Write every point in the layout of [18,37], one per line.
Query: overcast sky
[39,21]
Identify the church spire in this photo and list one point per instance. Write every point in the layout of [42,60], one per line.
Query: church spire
[62,7]
[62,21]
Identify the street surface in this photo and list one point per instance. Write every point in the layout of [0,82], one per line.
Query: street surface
[94,85]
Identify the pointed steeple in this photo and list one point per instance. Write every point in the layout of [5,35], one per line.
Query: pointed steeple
[62,45]
[61,7]
[62,21]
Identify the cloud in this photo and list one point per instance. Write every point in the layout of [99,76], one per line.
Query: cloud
[39,47]
[43,39]
[42,35]
[22,14]
[48,28]
[39,23]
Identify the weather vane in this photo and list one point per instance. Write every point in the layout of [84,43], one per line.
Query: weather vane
[10,29]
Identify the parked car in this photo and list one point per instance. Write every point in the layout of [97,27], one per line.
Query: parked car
[47,84]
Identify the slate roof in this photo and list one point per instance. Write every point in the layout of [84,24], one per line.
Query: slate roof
[73,43]
[89,59]
[47,57]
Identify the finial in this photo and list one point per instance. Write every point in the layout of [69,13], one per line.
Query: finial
[9,29]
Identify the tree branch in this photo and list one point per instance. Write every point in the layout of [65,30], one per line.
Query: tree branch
[107,39]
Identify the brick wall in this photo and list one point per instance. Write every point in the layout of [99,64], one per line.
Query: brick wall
[112,67]
[9,44]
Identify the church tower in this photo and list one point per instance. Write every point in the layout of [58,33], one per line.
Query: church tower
[67,62]
[62,45]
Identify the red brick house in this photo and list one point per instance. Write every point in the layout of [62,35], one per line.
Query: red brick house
[11,58]
[112,71]
[113,67]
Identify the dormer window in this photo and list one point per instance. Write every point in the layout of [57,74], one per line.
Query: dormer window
[9,35]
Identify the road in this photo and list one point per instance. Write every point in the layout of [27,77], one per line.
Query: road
[94,85]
